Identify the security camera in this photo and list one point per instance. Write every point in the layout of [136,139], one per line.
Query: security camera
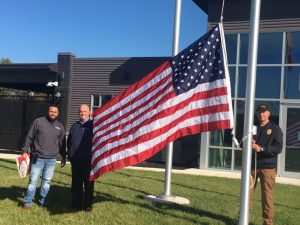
[31,94]
[52,84]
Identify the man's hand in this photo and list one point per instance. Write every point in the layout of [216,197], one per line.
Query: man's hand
[63,162]
[256,147]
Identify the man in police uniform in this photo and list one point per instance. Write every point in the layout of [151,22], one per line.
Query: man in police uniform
[266,145]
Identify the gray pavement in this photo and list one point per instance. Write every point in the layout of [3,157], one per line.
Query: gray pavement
[192,171]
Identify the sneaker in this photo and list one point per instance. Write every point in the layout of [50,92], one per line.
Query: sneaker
[26,207]
[89,209]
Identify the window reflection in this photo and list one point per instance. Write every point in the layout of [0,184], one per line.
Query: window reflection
[232,80]
[292,47]
[292,82]
[231,47]
[238,159]
[105,99]
[269,48]
[268,82]
[219,158]
[244,40]
[99,100]
[264,88]
[292,153]
[239,125]
[220,138]
[242,82]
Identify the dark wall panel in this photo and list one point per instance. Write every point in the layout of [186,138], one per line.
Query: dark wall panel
[276,15]
[239,10]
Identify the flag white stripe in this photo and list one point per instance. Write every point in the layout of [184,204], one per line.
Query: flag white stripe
[139,91]
[156,124]
[137,149]
[171,102]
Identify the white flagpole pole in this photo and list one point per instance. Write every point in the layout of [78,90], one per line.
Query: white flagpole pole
[169,158]
[167,197]
[249,111]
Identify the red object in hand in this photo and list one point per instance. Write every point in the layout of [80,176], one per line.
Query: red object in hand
[23,162]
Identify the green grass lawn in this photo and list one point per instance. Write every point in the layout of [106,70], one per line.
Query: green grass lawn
[119,199]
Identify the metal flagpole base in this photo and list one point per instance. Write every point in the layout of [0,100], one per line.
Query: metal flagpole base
[167,199]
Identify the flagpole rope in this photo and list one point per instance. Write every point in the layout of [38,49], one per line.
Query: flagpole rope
[221,17]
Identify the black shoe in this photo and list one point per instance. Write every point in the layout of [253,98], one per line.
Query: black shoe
[89,209]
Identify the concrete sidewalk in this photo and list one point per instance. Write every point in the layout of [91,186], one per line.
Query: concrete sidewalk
[218,173]
[192,171]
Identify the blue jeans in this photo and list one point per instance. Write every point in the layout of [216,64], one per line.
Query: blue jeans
[46,167]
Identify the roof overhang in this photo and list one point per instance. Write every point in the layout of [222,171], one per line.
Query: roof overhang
[32,77]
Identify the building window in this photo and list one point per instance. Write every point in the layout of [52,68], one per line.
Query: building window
[265,88]
[99,100]
[292,47]
[244,40]
[220,158]
[277,78]
[232,79]
[269,48]
[231,47]
[292,82]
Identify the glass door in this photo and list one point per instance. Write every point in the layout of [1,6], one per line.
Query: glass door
[290,156]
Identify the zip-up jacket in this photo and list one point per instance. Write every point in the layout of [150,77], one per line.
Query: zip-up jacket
[45,138]
[270,138]
[79,143]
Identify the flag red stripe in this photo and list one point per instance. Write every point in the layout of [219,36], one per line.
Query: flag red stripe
[132,160]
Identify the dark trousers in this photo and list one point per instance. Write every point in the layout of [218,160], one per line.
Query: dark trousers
[80,177]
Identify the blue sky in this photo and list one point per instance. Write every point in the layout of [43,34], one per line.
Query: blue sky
[34,31]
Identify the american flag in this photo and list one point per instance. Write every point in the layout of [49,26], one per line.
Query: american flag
[186,95]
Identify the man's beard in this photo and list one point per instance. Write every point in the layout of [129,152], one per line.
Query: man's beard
[52,118]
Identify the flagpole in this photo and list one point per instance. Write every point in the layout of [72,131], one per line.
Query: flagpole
[167,197]
[169,159]
[249,111]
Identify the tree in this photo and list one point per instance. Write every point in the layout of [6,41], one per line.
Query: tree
[3,90]
[5,61]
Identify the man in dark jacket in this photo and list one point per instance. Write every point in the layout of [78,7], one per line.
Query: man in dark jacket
[44,140]
[267,144]
[79,145]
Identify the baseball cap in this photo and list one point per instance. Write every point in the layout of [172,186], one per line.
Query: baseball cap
[263,108]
